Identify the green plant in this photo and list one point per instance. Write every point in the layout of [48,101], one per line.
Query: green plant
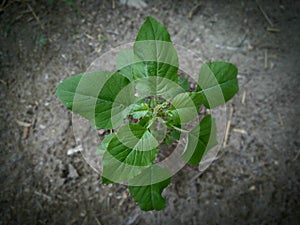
[147,105]
[41,40]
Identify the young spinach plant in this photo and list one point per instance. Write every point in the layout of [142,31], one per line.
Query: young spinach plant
[147,105]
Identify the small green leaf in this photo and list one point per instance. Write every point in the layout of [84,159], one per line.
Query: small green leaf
[185,107]
[149,196]
[217,83]
[128,153]
[72,5]
[200,139]
[144,122]
[173,118]
[151,103]
[140,110]
[175,134]
[184,83]
[41,40]
[169,139]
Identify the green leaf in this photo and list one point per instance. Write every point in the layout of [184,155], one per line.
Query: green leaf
[128,153]
[140,110]
[144,122]
[71,4]
[104,143]
[154,53]
[153,30]
[197,98]
[92,95]
[185,107]
[217,83]
[124,63]
[200,139]
[157,86]
[184,83]
[169,139]
[149,196]
[112,104]
[173,118]
[106,181]
[175,134]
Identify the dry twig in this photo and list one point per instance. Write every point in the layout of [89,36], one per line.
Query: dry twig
[43,195]
[97,221]
[3,82]
[35,16]
[228,128]
[271,29]
[71,151]
[265,14]
[113,4]
[193,10]
[23,124]
[297,156]
[280,120]
[5,5]
[25,132]
[241,131]
[244,97]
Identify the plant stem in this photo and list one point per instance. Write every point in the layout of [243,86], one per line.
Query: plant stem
[181,130]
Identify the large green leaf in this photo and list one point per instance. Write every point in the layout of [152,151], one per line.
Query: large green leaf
[200,139]
[92,95]
[184,83]
[157,86]
[128,153]
[104,143]
[148,196]
[154,53]
[124,63]
[217,83]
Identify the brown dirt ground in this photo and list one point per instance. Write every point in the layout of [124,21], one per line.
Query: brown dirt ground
[255,180]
